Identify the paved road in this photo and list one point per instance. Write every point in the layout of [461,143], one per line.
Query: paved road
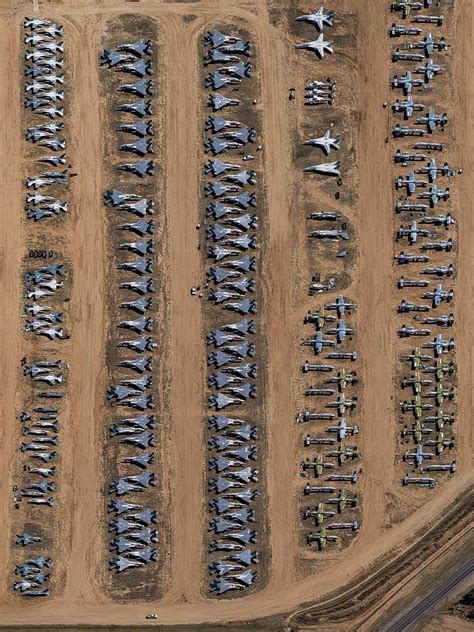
[404,620]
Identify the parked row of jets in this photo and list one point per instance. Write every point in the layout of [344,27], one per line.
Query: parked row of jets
[132,516]
[318,19]
[46,97]
[45,284]
[40,427]
[327,505]
[231,233]
[427,415]
[40,424]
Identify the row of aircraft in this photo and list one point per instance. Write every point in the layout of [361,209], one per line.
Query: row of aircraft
[318,20]
[427,416]
[46,97]
[231,242]
[334,396]
[45,284]
[132,516]
[35,489]
[329,449]
[40,428]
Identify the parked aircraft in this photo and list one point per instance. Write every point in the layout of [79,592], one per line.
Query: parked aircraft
[440,345]
[342,403]
[413,232]
[342,429]
[416,406]
[341,306]
[398,29]
[428,44]
[138,68]
[322,538]
[140,128]
[342,379]
[25,539]
[317,464]
[326,235]
[341,331]
[318,342]
[138,48]
[318,18]
[417,456]
[432,120]
[325,142]
[410,182]
[140,169]
[416,382]
[407,107]
[342,501]
[440,467]
[319,513]
[438,246]
[406,82]
[429,70]
[218,102]
[417,430]
[318,318]
[434,19]
[400,131]
[440,369]
[405,157]
[433,170]
[216,39]
[440,394]
[439,295]
[435,195]
[405,6]
[343,452]
[326,168]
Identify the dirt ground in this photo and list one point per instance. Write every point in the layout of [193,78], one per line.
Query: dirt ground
[79,544]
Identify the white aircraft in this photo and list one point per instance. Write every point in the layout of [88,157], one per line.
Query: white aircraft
[326,143]
[318,46]
[318,18]
[326,168]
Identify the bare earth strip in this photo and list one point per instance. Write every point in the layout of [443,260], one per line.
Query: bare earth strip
[464,97]
[11,251]
[377,333]
[185,431]
[87,383]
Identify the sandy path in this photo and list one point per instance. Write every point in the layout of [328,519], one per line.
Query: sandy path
[376,331]
[11,236]
[187,353]
[279,320]
[87,380]
[464,304]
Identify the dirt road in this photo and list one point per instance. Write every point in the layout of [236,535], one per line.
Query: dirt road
[279,321]
[87,313]
[376,330]
[187,354]
[81,601]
